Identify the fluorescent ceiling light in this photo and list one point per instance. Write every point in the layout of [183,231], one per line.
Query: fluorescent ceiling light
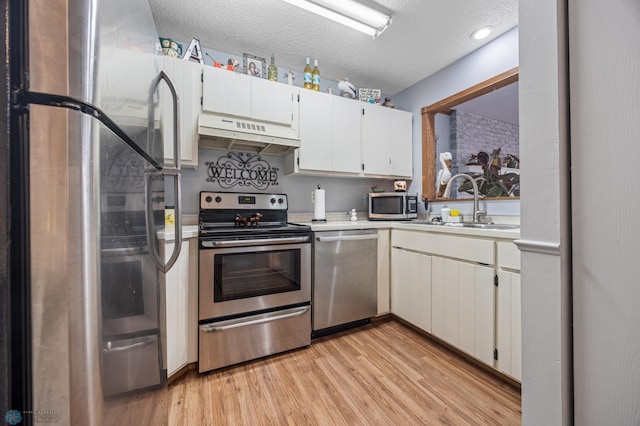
[348,12]
[482,32]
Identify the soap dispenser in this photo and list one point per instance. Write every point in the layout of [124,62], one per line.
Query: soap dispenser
[354,215]
[445,212]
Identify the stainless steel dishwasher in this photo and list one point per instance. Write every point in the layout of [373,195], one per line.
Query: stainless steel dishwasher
[344,280]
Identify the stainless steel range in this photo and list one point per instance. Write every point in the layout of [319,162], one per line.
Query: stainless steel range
[254,279]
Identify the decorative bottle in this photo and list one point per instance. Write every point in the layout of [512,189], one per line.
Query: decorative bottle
[315,76]
[307,76]
[272,72]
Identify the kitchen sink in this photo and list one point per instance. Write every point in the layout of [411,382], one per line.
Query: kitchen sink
[468,225]
[484,225]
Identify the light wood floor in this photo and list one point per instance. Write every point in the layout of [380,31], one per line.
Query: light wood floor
[381,374]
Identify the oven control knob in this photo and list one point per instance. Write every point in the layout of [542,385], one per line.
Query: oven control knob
[273,200]
[280,200]
[218,199]
[208,199]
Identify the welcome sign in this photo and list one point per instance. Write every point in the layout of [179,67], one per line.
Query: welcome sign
[242,169]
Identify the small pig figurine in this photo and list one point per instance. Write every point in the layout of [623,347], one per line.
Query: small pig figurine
[255,219]
[241,221]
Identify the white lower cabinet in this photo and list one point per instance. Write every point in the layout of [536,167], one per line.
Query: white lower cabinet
[508,311]
[181,308]
[384,271]
[452,280]
[463,305]
[411,287]
[509,338]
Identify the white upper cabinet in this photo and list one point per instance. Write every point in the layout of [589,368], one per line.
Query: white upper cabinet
[226,92]
[344,137]
[400,140]
[316,151]
[376,146]
[271,101]
[386,142]
[186,77]
[230,93]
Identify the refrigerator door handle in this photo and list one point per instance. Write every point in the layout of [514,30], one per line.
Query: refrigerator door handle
[137,343]
[172,170]
[21,99]
[175,164]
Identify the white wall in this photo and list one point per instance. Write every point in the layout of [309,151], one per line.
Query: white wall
[342,194]
[545,232]
[488,61]
[604,47]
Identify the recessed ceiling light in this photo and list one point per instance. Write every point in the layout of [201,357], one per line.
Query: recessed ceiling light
[482,32]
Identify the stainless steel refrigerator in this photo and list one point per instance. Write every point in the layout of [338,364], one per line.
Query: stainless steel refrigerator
[88,177]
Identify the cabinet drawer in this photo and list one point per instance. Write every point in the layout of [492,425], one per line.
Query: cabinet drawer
[508,255]
[464,248]
[242,339]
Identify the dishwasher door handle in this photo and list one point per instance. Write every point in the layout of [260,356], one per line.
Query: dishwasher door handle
[348,238]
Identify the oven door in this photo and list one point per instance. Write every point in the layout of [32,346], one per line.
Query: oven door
[240,280]
[129,290]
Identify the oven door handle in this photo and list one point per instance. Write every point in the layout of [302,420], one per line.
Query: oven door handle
[242,243]
[258,319]
[348,238]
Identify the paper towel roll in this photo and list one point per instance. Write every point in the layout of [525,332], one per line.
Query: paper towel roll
[317,198]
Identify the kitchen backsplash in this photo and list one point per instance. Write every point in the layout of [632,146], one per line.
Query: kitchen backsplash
[342,194]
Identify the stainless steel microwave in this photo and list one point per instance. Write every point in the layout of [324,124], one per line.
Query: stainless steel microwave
[393,205]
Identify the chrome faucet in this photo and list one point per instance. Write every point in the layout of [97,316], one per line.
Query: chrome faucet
[476,195]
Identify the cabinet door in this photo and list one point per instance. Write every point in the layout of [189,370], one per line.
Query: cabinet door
[315,152]
[466,307]
[177,306]
[384,276]
[400,137]
[271,101]
[226,92]
[463,306]
[346,135]
[186,79]
[451,302]
[508,339]
[375,140]
[411,287]
[484,314]
[437,296]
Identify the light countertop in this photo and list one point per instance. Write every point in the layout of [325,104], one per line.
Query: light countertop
[413,226]
[188,231]
[191,231]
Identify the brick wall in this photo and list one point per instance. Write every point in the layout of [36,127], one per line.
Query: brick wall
[471,133]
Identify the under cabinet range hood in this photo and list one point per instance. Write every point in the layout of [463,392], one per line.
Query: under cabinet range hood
[245,113]
[240,134]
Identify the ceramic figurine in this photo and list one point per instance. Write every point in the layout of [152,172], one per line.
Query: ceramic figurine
[347,89]
[255,219]
[445,173]
[241,221]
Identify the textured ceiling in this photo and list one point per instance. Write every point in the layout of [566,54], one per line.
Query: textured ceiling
[425,36]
